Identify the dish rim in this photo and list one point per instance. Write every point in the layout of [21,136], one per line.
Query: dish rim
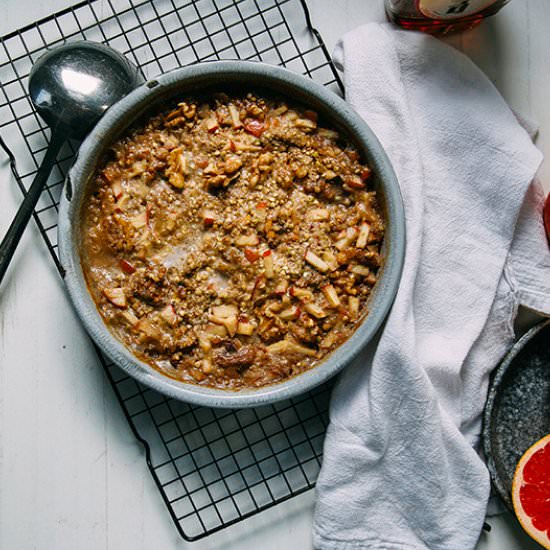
[210,75]
[500,374]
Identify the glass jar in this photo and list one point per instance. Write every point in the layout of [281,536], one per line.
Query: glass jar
[441,16]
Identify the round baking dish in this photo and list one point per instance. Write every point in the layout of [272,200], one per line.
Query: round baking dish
[193,80]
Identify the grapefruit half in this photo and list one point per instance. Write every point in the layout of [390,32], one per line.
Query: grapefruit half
[531,491]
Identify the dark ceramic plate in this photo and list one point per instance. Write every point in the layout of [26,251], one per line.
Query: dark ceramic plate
[517,413]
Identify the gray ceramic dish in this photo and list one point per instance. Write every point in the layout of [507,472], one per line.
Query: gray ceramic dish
[517,413]
[247,76]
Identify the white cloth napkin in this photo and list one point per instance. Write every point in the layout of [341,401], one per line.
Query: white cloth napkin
[399,468]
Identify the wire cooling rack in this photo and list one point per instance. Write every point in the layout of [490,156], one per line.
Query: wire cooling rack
[213,467]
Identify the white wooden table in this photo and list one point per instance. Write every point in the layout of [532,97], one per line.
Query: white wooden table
[72,477]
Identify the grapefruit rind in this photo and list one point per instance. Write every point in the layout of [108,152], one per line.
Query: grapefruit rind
[525,521]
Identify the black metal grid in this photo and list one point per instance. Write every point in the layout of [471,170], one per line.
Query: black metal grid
[213,467]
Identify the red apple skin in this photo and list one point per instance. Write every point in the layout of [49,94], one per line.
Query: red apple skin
[546,217]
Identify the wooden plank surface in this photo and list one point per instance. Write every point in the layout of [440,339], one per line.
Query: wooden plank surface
[72,475]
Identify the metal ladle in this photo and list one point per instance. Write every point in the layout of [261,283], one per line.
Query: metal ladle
[71,87]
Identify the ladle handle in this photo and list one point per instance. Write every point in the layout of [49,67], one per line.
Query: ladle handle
[17,227]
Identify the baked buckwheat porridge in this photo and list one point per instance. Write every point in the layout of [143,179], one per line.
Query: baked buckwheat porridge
[232,241]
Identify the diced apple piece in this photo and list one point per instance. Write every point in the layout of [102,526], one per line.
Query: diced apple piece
[329,340]
[305,123]
[300,293]
[314,260]
[281,287]
[259,282]
[126,266]
[232,164]
[212,124]
[268,264]
[285,346]
[254,127]
[230,323]
[261,210]
[314,309]
[169,315]
[363,236]
[278,347]
[215,330]
[225,310]
[371,279]
[239,146]
[330,258]
[235,117]
[272,308]
[246,328]
[206,366]
[329,175]
[290,313]
[361,270]
[208,217]
[251,255]
[117,189]
[247,240]
[204,341]
[130,317]
[353,306]
[345,238]
[140,220]
[366,173]
[226,315]
[318,214]
[331,295]
[328,134]
[146,327]
[115,296]
[210,169]
[354,182]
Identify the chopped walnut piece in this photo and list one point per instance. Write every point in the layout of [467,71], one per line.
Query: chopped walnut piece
[232,164]
[177,168]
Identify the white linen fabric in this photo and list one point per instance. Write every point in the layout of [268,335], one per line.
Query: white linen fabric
[400,469]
